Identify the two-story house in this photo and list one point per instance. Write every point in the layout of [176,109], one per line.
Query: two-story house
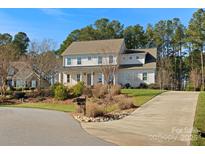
[82,61]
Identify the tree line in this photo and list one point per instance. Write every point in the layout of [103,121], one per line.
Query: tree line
[180,57]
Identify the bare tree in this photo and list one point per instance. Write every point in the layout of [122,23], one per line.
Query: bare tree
[109,70]
[8,54]
[43,59]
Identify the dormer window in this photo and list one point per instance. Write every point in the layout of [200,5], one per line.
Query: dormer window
[110,59]
[79,60]
[68,61]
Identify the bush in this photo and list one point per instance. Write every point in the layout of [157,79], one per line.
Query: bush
[99,91]
[19,95]
[115,90]
[87,91]
[127,85]
[77,90]
[143,86]
[45,92]
[190,87]
[9,92]
[60,92]
[53,87]
[126,103]
[94,110]
[153,86]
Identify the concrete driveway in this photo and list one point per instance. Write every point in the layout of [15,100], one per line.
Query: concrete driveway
[21,126]
[165,120]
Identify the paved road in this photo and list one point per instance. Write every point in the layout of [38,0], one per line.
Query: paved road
[165,120]
[19,126]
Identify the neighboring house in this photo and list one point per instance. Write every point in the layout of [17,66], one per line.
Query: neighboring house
[21,74]
[82,61]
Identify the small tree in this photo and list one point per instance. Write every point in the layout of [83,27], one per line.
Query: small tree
[109,70]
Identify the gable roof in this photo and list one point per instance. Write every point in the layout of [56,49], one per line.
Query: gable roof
[94,47]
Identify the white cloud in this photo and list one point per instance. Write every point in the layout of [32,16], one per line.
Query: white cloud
[54,12]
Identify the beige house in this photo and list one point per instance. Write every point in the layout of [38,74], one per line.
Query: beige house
[22,75]
[84,60]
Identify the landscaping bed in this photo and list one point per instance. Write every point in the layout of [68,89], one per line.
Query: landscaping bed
[101,102]
[122,104]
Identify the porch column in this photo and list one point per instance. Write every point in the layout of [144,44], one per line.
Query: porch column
[103,80]
[59,77]
[114,80]
[92,79]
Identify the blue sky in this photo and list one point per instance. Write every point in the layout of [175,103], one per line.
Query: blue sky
[56,24]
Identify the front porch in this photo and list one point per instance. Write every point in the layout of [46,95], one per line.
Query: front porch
[89,77]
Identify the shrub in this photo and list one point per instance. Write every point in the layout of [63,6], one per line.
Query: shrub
[77,90]
[126,103]
[53,87]
[99,91]
[94,110]
[45,92]
[153,86]
[60,92]
[143,86]
[9,92]
[19,95]
[127,85]
[190,87]
[87,91]
[115,90]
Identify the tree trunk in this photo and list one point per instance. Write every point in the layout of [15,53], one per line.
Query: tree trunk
[202,68]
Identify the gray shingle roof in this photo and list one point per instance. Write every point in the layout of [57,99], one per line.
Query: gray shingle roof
[94,47]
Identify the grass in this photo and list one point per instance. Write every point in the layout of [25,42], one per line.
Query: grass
[141,95]
[49,106]
[199,122]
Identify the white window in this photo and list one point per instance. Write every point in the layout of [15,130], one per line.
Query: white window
[68,78]
[100,78]
[89,58]
[110,59]
[68,61]
[144,76]
[99,60]
[33,83]
[79,60]
[78,77]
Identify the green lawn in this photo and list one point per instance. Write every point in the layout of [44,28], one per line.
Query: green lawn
[199,121]
[142,95]
[49,106]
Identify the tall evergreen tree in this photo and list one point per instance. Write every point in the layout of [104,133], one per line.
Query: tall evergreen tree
[196,36]
[21,40]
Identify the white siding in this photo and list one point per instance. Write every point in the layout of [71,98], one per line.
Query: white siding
[92,62]
[135,77]
[131,58]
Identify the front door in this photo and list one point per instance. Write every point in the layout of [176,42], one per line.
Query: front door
[89,79]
